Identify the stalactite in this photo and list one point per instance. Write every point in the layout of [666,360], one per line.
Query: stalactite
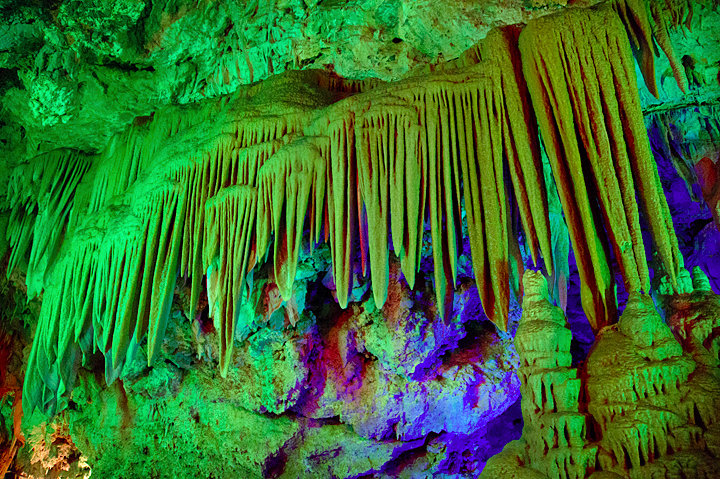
[649,21]
[475,116]
[41,211]
[288,183]
[207,189]
[169,236]
[124,259]
[491,122]
[560,238]
[413,197]
[521,145]
[226,164]
[229,255]
[443,195]
[338,153]
[582,81]
[689,139]
[336,83]
[661,31]
[395,153]
[680,12]
[382,162]
[635,17]
[486,206]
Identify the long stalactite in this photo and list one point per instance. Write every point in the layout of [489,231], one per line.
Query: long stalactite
[581,78]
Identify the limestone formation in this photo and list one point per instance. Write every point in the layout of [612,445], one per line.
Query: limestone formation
[553,442]
[258,230]
[652,401]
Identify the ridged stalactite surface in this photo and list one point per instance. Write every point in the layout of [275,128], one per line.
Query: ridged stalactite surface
[581,77]
[648,25]
[35,227]
[229,253]
[291,187]
[459,127]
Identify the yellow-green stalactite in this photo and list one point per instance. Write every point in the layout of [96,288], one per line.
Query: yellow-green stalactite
[229,255]
[581,78]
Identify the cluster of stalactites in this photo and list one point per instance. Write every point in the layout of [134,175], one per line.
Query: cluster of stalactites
[110,288]
[419,150]
[581,78]
[689,139]
[41,193]
[372,169]
[648,23]
[134,221]
[229,231]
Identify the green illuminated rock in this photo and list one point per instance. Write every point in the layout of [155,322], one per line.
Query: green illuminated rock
[261,240]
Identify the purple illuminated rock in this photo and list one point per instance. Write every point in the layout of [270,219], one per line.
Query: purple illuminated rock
[400,373]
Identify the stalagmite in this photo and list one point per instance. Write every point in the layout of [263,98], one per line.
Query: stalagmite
[553,442]
[323,275]
[652,402]
[655,405]
[694,318]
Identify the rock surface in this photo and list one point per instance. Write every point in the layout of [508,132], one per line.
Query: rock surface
[83,69]
[338,394]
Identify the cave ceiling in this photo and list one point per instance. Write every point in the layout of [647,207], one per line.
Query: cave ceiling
[80,71]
